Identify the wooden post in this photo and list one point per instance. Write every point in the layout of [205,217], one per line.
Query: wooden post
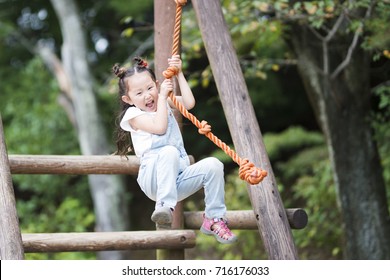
[11,246]
[164,21]
[244,128]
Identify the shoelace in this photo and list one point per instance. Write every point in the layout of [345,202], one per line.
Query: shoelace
[222,230]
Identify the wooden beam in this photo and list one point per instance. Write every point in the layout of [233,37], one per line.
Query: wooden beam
[108,241]
[265,198]
[246,219]
[10,239]
[58,164]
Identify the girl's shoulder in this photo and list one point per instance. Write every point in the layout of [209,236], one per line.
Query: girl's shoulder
[134,111]
[130,113]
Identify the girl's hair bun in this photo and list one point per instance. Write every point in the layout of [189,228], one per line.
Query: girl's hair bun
[119,71]
[139,62]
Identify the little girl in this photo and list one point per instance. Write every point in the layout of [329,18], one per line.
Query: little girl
[165,173]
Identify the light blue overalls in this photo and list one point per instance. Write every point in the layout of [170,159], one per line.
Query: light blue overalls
[167,177]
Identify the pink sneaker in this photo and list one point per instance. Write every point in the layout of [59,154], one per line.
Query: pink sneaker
[218,227]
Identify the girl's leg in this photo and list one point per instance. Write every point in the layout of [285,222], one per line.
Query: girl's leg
[157,178]
[167,171]
[207,173]
[158,174]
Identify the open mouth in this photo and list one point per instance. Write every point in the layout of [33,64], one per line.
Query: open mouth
[150,104]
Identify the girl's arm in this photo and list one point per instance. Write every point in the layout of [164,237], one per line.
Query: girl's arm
[186,98]
[157,123]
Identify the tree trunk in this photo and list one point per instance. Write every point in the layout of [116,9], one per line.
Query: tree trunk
[108,192]
[342,105]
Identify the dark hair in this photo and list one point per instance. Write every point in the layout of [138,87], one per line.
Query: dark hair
[140,65]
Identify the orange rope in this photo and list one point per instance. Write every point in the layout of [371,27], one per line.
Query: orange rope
[247,171]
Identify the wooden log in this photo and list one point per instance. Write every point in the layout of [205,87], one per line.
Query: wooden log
[246,219]
[297,218]
[164,21]
[82,165]
[108,241]
[10,238]
[243,125]
[56,164]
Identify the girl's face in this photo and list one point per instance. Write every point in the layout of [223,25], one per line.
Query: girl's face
[142,92]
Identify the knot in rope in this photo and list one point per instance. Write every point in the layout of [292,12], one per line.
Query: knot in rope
[181,2]
[204,128]
[250,173]
[170,72]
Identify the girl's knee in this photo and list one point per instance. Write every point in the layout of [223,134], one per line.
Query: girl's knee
[214,165]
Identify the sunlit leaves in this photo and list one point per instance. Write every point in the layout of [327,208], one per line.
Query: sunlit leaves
[378,36]
[128,32]
[386,53]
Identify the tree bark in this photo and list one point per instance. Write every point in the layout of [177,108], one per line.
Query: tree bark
[108,192]
[342,106]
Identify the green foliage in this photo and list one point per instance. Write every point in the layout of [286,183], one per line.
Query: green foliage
[289,141]
[61,256]
[373,25]
[245,20]
[71,215]
[135,9]
[377,34]
[258,54]
[34,123]
[32,118]
[302,169]
[381,125]
[322,238]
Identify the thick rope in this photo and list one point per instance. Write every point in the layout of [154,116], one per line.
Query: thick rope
[247,171]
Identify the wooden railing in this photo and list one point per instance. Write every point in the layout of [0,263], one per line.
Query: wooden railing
[178,239]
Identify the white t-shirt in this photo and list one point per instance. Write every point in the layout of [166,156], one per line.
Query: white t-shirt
[142,141]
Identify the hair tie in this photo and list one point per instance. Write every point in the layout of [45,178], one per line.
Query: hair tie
[139,62]
[143,63]
[119,71]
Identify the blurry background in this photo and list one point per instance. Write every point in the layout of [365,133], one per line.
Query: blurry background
[41,113]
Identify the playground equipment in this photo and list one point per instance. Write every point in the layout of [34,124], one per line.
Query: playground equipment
[266,202]
[13,244]
[268,216]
